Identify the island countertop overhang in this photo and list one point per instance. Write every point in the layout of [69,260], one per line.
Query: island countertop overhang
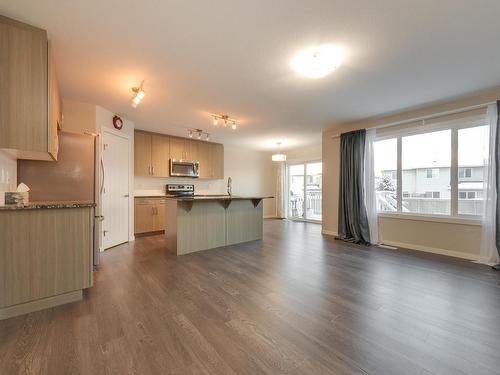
[217,198]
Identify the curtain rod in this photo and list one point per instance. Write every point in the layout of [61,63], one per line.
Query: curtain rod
[429,117]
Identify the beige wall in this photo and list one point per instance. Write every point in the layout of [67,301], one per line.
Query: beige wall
[79,117]
[306,153]
[455,239]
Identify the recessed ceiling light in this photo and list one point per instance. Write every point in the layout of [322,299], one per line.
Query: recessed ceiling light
[317,62]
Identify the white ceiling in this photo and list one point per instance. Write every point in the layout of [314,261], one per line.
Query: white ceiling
[233,56]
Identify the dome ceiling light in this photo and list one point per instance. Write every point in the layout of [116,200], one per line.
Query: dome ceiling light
[317,62]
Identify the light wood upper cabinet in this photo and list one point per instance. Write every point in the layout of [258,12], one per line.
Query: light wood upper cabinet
[55,108]
[192,149]
[151,154]
[160,155]
[205,159]
[154,151]
[217,159]
[28,92]
[142,154]
[177,148]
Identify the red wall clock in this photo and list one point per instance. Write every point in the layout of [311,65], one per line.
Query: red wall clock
[117,122]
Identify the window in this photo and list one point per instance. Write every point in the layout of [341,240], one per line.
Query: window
[472,151]
[386,165]
[465,172]
[429,188]
[468,195]
[437,171]
[432,194]
[432,173]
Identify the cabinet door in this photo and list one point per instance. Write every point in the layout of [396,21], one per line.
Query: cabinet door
[23,87]
[142,154]
[177,148]
[159,216]
[144,217]
[55,108]
[217,159]
[160,154]
[192,149]
[204,156]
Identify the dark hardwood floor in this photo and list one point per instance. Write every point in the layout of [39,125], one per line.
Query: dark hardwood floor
[294,303]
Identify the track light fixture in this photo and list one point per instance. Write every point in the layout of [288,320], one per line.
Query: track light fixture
[198,134]
[226,121]
[138,95]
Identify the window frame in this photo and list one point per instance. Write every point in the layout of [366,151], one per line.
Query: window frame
[454,216]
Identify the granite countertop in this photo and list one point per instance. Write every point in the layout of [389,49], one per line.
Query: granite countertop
[49,204]
[215,198]
[150,196]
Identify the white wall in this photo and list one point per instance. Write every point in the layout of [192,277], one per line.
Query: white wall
[8,173]
[251,171]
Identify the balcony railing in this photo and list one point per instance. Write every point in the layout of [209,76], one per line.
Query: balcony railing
[386,202]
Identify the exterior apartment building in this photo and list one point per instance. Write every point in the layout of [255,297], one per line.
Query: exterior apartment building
[428,189]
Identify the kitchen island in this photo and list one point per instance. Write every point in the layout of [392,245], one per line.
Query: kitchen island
[206,222]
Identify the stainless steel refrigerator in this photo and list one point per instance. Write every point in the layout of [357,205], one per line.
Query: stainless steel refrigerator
[73,177]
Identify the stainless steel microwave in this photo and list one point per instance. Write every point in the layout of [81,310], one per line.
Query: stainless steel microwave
[184,168]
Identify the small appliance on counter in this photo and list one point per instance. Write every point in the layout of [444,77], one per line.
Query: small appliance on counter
[184,168]
[180,190]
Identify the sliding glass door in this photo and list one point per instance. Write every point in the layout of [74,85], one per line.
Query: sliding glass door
[305,183]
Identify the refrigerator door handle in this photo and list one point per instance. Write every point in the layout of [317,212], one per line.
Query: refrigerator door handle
[103,176]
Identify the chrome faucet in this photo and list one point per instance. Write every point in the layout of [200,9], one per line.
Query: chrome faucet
[229,186]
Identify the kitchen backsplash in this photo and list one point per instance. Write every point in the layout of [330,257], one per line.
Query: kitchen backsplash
[156,186]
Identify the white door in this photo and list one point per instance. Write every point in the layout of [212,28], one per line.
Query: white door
[115,192]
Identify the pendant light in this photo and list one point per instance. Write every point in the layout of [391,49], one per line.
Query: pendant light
[278,156]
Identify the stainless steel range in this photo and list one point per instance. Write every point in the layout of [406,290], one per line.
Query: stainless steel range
[180,190]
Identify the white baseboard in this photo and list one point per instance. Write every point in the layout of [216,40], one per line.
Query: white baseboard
[329,232]
[434,250]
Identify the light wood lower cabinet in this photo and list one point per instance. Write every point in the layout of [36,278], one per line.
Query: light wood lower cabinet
[44,254]
[149,215]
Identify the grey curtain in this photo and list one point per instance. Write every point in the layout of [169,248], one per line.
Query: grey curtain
[353,220]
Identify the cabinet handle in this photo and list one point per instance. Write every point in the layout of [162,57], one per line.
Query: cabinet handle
[153,170]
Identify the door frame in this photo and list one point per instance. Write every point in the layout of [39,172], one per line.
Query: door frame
[299,162]
[109,131]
